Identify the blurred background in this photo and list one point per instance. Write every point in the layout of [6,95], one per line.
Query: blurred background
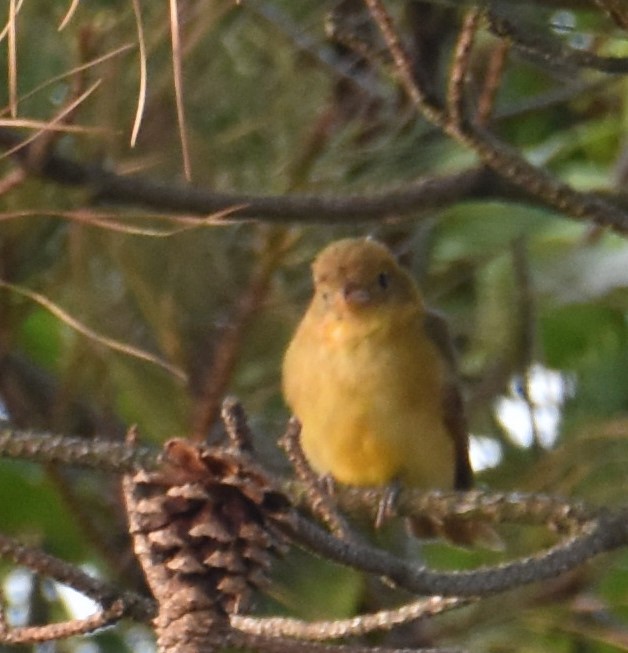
[272,104]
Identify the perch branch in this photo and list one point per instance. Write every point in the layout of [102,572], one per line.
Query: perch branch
[596,531]
[603,534]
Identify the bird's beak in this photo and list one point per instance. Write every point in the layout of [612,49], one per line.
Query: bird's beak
[356,295]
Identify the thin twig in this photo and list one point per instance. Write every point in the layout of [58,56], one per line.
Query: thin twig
[354,627]
[421,196]
[403,66]
[491,82]
[177,74]
[48,128]
[84,330]
[35,634]
[141,93]
[46,565]
[35,151]
[554,53]
[72,72]
[319,501]
[65,21]
[12,57]
[109,221]
[236,424]
[121,457]
[517,508]
[310,49]
[94,453]
[11,179]
[460,66]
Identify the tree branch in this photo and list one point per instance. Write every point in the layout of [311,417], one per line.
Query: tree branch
[608,532]
[106,595]
[414,200]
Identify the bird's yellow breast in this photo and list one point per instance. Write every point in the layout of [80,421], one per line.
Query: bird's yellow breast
[368,393]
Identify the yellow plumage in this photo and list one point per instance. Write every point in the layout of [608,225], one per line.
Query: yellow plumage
[367,381]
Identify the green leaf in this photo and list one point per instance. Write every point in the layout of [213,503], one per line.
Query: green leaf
[41,336]
[579,332]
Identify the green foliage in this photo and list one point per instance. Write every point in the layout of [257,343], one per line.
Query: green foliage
[332,592]
[40,335]
[33,509]
[577,332]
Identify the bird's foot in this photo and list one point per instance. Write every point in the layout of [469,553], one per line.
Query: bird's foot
[327,484]
[387,508]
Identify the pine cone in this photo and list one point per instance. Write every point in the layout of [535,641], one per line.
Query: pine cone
[204,529]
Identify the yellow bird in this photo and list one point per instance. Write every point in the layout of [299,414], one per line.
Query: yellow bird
[370,375]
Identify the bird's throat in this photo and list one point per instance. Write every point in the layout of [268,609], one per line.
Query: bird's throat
[350,325]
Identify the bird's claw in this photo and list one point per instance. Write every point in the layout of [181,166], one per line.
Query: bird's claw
[387,505]
[327,484]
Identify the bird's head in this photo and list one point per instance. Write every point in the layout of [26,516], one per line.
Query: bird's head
[358,276]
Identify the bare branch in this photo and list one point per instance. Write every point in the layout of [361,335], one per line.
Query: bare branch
[100,591]
[106,455]
[319,501]
[607,532]
[490,86]
[460,66]
[236,424]
[360,625]
[552,52]
[516,508]
[416,200]
[596,531]
[34,634]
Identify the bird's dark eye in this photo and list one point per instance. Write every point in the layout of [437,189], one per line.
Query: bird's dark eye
[382,280]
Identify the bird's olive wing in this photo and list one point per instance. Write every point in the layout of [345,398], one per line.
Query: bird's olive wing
[453,406]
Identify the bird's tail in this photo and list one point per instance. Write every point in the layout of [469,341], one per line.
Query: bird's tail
[456,530]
